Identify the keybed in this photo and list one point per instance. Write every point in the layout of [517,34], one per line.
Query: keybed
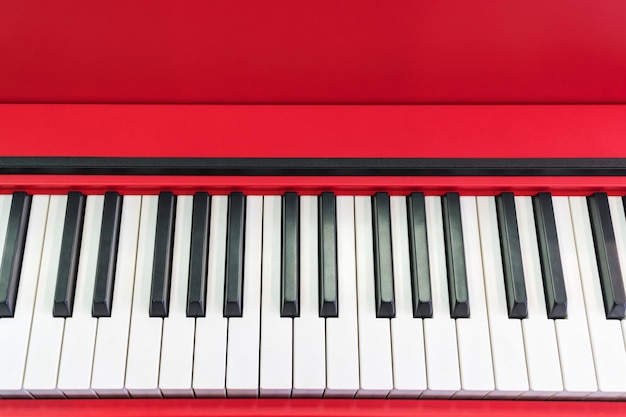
[205,295]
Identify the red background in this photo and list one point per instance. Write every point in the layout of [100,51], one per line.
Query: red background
[322,51]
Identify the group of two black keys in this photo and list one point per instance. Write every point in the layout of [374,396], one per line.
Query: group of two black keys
[552,271]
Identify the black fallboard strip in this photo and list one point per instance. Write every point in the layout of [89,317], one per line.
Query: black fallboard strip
[316,166]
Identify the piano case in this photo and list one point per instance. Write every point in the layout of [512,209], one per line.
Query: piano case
[349,96]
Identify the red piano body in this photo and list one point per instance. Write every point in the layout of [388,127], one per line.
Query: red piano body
[540,85]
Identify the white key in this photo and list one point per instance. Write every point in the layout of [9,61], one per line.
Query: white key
[80,330]
[17,329]
[374,333]
[209,365]
[309,330]
[607,341]
[109,363]
[542,354]
[507,343]
[577,366]
[342,348]
[442,358]
[178,329]
[144,344]
[242,366]
[407,333]
[46,335]
[276,332]
[618,219]
[5,208]
[475,362]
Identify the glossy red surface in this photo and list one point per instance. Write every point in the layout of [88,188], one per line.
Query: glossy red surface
[345,185]
[322,51]
[515,131]
[306,408]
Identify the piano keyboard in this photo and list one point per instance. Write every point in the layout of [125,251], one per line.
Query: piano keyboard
[309,296]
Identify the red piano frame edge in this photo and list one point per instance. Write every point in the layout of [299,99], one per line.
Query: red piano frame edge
[221,185]
[275,131]
[306,408]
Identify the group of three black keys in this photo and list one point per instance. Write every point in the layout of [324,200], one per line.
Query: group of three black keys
[554,286]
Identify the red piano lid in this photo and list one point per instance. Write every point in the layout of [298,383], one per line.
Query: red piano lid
[311,131]
[313,51]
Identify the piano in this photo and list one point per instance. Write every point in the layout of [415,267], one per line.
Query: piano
[281,208]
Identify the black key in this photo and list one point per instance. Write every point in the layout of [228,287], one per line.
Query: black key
[70,252]
[606,256]
[107,255]
[455,256]
[383,261]
[418,253]
[233,296]
[550,257]
[514,285]
[290,282]
[14,242]
[327,219]
[163,252]
[198,255]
